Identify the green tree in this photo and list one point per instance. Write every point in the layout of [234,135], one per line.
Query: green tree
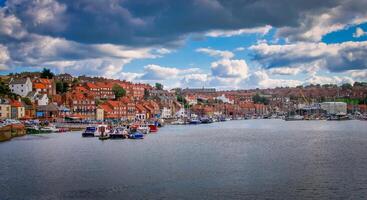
[26,100]
[59,87]
[46,73]
[158,86]
[259,99]
[146,94]
[347,86]
[118,91]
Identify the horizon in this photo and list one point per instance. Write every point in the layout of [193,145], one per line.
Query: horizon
[208,44]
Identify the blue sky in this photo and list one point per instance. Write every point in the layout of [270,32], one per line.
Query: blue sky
[194,43]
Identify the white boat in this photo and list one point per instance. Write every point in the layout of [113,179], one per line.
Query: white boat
[294,118]
[178,122]
[143,128]
[49,128]
[96,131]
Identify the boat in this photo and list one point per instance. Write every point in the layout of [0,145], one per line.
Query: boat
[104,137]
[119,133]
[178,122]
[153,128]
[206,120]
[49,129]
[194,121]
[143,128]
[294,118]
[95,131]
[136,135]
[338,117]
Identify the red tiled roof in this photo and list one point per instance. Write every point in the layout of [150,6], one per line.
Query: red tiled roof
[15,103]
[91,85]
[106,108]
[39,86]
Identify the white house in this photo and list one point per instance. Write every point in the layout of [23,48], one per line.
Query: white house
[181,113]
[166,113]
[20,86]
[40,99]
[191,100]
[224,99]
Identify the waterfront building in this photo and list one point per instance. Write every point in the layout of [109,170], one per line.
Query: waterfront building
[17,109]
[5,109]
[334,107]
[20,86]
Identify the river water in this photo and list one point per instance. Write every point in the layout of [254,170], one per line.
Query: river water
[250,159]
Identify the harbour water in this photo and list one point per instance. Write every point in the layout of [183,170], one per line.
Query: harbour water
[249,159]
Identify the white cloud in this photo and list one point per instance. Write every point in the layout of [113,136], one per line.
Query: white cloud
[334,57]
[227,68]
[4,54]
[261,79]
[316,79]
[359,74]
[359,33]
[314,26]
[240,49]
[216,53]
[285,71]
[156,72]
[229,33]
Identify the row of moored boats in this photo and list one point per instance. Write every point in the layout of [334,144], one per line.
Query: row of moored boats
[134,131]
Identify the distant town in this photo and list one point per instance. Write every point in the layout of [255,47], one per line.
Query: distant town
[47,96]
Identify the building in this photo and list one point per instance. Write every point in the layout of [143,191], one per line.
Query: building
[20,86]
[334,107]
[82,104]
[224,99]
[99,114]
[44,85]
[5,109]
[64,78]
[17,109]
[40,99]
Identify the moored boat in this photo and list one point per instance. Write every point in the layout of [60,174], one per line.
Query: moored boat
[194,121]
[143,128]
[136,135]
[119,133]
[153,128]
[294,118]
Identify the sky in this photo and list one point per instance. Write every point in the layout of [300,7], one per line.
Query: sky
[227,44]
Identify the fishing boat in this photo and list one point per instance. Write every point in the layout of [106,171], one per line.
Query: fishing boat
[194,121]
[119,133]
[49,129]
[143,128]
[136,135]
[95,131]
[206,120]
[153,128]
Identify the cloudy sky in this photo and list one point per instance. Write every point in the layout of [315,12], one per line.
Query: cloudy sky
[228,44]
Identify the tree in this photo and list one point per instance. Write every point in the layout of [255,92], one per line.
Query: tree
[146,94]
[62,87]
[59,87]
[46,73]
[346,86]
[27,101]
[158,86]
[118,91]
[259,99]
